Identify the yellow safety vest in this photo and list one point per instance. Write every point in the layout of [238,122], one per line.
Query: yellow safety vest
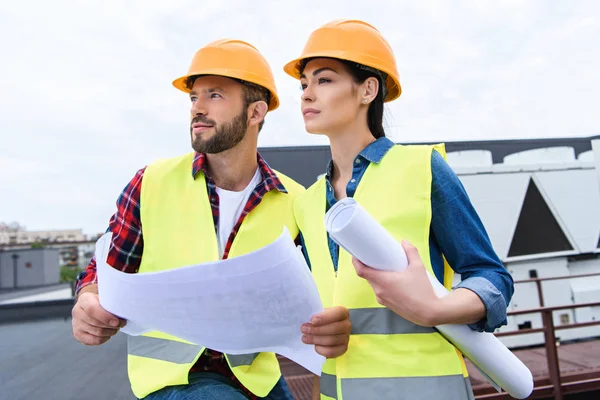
[178,230]
[388,357]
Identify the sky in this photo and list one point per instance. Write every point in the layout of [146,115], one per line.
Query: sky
[87,100]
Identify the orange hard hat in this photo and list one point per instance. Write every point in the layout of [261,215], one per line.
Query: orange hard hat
[233,59]
[351,40]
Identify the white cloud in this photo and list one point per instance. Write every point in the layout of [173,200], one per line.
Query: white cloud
[86,95]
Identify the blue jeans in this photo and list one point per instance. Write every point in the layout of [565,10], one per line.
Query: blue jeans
[212,386]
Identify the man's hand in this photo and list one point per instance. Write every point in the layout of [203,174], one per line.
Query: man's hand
[93,325]
[329,331]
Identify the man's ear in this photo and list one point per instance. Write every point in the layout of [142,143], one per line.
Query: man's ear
[257,112]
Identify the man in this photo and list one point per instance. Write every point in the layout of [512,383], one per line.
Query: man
[222,200]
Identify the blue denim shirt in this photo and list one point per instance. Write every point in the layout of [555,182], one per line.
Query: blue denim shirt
[456,232]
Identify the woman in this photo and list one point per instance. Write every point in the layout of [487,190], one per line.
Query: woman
[347,72]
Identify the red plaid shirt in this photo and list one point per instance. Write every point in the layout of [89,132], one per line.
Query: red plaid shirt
[127,245]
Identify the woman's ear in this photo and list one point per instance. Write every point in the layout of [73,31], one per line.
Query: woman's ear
[370,90]
[257,112]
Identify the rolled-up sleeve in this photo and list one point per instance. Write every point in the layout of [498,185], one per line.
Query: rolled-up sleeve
[127,244]
[464,242]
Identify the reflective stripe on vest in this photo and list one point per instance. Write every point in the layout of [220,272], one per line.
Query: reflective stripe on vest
[162,349]
[454,387]
[235,360]
[382,321]
[176,352]
[398,388]
[328,385]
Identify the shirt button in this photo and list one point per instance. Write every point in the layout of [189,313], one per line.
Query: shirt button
[353,180]
[357,161]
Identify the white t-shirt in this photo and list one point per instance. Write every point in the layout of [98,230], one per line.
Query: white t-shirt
[231,205]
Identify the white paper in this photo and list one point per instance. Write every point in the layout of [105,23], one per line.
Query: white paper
[351,226]
[256,302]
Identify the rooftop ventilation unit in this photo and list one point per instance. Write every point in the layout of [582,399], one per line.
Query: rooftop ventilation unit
[547,155]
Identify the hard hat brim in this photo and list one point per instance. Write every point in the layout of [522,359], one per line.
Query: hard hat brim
[393,85]
[180,83]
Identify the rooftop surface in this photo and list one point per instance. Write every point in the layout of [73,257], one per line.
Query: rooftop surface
[42,360]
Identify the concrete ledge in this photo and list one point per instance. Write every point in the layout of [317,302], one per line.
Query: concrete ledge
[10,294]
[37,310]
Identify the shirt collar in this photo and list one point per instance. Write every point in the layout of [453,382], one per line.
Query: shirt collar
[269,177]
[373,153]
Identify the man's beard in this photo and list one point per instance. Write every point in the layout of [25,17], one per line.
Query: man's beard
[227,134]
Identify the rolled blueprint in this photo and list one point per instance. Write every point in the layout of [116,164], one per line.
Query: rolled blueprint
[354,229]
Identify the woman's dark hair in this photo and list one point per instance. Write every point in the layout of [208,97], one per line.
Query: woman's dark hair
[361,73]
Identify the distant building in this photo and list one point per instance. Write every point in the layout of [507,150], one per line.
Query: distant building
[17,235]
[77,255]
[23,268]
[539,201]
[305,163]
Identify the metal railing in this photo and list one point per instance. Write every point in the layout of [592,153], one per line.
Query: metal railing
[555,385]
